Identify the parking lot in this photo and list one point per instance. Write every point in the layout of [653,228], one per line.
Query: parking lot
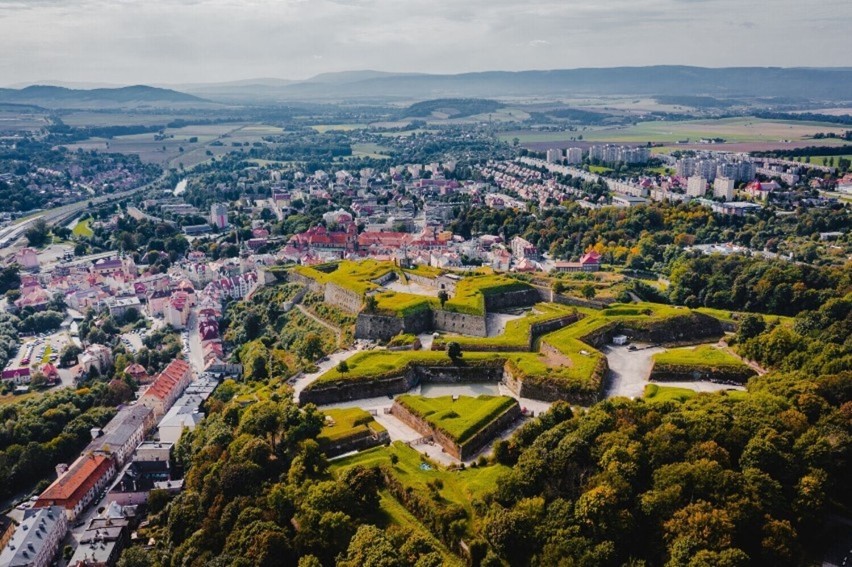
[630,366]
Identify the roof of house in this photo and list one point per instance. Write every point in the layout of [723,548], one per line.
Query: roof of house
[77,481]
[168,380]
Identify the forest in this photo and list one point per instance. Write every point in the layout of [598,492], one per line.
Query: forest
[714,480]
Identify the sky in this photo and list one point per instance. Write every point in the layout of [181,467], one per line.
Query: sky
[175,42]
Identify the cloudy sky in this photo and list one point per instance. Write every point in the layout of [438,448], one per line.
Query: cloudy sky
[186,41]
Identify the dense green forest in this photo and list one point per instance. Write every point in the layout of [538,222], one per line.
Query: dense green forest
[37,434]
[715,480]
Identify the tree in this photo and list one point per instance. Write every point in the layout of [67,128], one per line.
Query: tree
[312,347]
[750,326]
[454,350]
[558,286]
[443,296]
[370,304]
[69,355]
[589,291]
[38,233]
[135,557]
[10,278]
[342,367]
[370,547]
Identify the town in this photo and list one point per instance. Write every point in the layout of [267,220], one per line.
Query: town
[270,335]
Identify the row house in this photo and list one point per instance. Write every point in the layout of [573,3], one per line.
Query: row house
[167,387]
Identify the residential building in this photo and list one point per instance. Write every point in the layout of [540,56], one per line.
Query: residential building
[185,414]
[101,544]
[554,155]
[522,248]
[27,258]
[167,387]
[696,186]
[77,487]
[589,262]
[620,200]
[95,356]
[124,432]
[119,306]
[724,187]
[36,541]
[574,155]
[219,215]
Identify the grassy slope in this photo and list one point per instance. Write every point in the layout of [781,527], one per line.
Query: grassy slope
[515,337]
[655,393]
[348,422]
[462,418]
[704,355]
[461,486]
[376,364]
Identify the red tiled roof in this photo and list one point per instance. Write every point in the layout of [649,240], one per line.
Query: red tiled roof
[168,379]
[76,482]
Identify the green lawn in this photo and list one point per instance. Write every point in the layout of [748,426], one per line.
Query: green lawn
[656,393]
[404,304]
[599,169]
[83,229]
[344,423]
[704,355]
[377,364]
[461,418]
[45,358]
[355,276]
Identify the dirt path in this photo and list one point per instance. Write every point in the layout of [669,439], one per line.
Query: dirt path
[325,324]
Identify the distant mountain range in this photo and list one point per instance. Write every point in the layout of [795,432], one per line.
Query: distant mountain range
[789,84]
[828,84]
[138,96]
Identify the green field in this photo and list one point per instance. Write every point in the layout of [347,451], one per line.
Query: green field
[83,229]
[599,169]
[342,424]
[45,358]
[404,304]
[323,128]
[704,355]
[469,296]
[739,129]
[459,418]
[370,150]
[564,361]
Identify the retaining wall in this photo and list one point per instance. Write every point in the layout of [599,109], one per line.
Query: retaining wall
[547,295]
[459,323]
[311,283]
[384,327]
[552,390]
[405,381]
[692,373]
[360,442]
[460,451]
[346,299]
[510,299]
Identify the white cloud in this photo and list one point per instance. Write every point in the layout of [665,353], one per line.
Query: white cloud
[175,41]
